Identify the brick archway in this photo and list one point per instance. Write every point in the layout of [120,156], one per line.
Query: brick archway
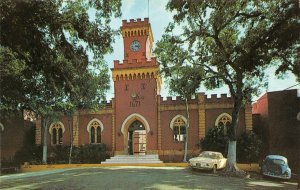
[126,124]
[132,118]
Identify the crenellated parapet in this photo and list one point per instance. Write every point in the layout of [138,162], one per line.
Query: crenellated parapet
[134,23]
[107,104]
[178,101]
[200,98]
[135,63]
[137,27]
[215,99]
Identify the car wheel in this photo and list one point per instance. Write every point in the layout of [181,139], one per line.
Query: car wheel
[214,169]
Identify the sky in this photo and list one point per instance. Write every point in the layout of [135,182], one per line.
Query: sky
[159,18]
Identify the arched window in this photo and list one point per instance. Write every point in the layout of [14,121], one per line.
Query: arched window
[56,131]
[223,120]
[95,128]
[178,125]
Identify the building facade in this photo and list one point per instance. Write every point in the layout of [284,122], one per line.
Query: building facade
[275,116]
[138,120]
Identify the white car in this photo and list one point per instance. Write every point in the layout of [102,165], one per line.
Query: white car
[208,160]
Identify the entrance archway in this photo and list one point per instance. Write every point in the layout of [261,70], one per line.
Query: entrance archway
[134,129]
[137,138]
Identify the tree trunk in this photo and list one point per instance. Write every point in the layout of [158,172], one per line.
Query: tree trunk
[187,131]
[70,155]
[231,155]
[71,141]
[45,126]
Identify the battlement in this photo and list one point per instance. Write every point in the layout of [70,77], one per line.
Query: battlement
[200,98]
[135,23]
[107,104]
[215,99]
[134,63]
[177,101]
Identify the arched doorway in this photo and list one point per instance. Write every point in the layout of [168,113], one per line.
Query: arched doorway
[134,129]
[137,139]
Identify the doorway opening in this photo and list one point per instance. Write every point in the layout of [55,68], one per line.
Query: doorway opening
[137,138]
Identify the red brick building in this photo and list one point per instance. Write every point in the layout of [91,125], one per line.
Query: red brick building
[275,115]
[14,133]
[138,120]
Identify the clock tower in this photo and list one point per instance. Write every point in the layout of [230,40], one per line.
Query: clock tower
[138,39]
[136,84]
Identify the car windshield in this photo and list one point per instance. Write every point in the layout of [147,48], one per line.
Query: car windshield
[276,161]
[211,155]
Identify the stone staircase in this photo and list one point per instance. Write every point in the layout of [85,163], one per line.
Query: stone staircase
[133,159]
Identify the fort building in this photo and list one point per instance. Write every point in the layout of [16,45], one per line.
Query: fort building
[138,121]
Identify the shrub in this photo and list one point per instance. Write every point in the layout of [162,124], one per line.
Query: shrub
[248,144]
[29,154]
[84,154]
[249,147]
[91,153]
[59,155]
[215,140]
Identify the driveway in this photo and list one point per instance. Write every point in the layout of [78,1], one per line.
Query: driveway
[130,178]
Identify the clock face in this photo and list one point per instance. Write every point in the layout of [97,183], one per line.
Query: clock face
[135,45]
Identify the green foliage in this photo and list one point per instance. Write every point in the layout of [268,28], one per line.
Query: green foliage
[215,140]
[91,154]
[83,154]
[232,43]
[249,145]
[51,56]
[59,155]
[249,148]
[52,51]
[32,154]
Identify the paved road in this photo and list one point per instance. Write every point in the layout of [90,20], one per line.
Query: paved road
[130,178]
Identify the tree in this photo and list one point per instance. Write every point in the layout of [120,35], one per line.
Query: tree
[233,42]
[88,96]
[51,55]
[50,42]
[182,81]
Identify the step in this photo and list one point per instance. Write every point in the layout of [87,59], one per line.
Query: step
[137,158]
[132,159]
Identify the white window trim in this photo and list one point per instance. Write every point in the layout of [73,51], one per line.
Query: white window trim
[220,116]
[88,127]
[60,123]
[176,117]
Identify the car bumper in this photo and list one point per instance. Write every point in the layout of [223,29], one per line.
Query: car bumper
[202,167]
[277,176]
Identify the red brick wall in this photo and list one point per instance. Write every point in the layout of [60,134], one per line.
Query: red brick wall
[277,115]
[167,133]
[12,138]
[106,135]
[212,114]
[283,125]
[147,107]
[66,135]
